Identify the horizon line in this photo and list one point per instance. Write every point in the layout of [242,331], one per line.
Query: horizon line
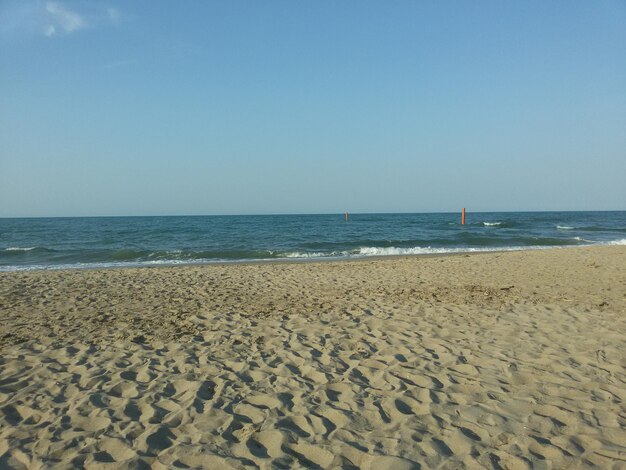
[341,213]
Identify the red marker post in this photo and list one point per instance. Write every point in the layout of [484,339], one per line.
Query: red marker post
[463,216]
[346,216]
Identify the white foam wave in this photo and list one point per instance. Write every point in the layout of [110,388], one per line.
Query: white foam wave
[492,224]
[168,252]
[304,254]
[564,227]
[362,252]
[18,248]
[366,251]
[392,251]
[111,264]
[581,239]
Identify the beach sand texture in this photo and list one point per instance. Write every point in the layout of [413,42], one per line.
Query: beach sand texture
[501,360]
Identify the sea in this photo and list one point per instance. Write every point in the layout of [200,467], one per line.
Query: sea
[104,242]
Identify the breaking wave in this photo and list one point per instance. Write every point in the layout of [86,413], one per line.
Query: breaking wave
[79,243]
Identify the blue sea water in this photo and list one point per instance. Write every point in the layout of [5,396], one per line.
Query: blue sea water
[92,242]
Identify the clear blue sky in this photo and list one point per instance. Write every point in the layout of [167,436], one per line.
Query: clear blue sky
[240,107]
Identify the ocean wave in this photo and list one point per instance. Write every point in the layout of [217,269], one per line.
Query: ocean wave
[356,253]
[594,228]
[306,254]
[103,265]
[393,251]
[373,251]
[564,227]
[18,251]
[500,224]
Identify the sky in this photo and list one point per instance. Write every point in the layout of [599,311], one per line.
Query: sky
[293,106]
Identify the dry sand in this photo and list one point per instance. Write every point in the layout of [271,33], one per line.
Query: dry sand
[500,360]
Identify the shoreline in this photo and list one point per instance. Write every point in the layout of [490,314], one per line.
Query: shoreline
[297,260]
[505,360]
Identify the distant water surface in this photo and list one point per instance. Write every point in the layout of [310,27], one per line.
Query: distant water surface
[91,242]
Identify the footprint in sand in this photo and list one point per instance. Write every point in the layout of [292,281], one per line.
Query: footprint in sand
[118,449]
[297,425]
[310,456]
[385,462]
[90,423]
[124,390]
[263,401]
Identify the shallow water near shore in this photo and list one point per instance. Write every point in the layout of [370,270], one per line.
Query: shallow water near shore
[94,242]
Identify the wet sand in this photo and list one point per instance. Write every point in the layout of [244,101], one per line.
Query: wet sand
[498,360]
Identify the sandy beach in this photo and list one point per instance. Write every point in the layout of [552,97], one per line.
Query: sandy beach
[505,360]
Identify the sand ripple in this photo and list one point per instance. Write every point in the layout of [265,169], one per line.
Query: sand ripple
[503,392]
[377,382]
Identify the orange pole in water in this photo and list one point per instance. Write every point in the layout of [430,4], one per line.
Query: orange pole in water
[346,216]
[463,216]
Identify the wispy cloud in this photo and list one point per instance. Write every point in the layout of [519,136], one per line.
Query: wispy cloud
[62,20]
[114,14]
[54,18]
